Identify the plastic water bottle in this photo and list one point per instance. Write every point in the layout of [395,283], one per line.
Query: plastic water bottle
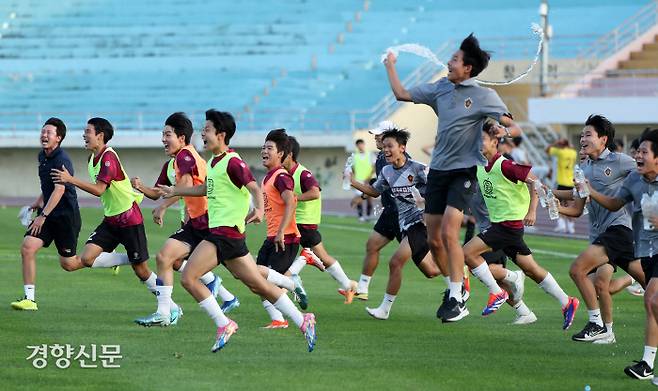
[553,212]
[579,178]
[541,193]
[347,173]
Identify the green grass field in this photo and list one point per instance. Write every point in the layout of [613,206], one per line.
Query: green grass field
[411,350]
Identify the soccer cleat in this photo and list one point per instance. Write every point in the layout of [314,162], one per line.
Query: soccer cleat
[308,328]
[569,312]
[223,335]
[312,259]
[155,319]
[377,313]
[635,289]
[444,304]
[175,315]
[590,333]
[495,301]
[277,324]
[357,295]
[518,287]
[24,304]
[607,339]
[640,370]
[115,270]
[455,311]
[213,286]
[230,305]
[525,319]
[299,293]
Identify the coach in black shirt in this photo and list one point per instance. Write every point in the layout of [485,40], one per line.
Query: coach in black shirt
[59,220]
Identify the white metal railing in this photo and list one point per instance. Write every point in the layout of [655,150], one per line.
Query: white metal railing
[629,30]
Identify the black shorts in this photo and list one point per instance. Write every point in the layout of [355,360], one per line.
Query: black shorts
[650,267]
[562,187]
[617,241]
[310,237]
[279,261]
[64,230]
[417,236]
[497,257]
[227,248]
[190,235]
[133,239]
[388,225]
[509,240]
[449,188]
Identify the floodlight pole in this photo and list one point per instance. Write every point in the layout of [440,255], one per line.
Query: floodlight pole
[543,73]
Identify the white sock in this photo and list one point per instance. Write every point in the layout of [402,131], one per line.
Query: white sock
[608,327]
[210,305]
[387,303]
[150,282]
[483,274]
[285,305]
[297,265]
[336,271]
[274,313]
[280,280]
[510,276]
[649,355]
[362,285]
[110,260]
[163,294]
[595,316]
[224,294]
[456,290]
[29,291]
[550,286]
[208,278]
[182,266]
[522,309]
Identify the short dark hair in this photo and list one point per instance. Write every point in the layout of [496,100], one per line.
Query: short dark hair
[651,135]
[635,144]
[294,147]
[473,55]
[487,128]
[400,135]
[60,128]
[603,127]
[181,124]
[223,123]
[280,138]
[359,141]
[101,125]
[517,140]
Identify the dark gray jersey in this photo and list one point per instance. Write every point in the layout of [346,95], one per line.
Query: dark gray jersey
[634,186]
[400,181]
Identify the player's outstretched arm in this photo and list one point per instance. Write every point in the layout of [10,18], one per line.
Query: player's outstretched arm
[610,203]
[63,176]
[256,215]
[398,89]
[574,210]
[364,188]
[150,192]
[311,194]
[173,191]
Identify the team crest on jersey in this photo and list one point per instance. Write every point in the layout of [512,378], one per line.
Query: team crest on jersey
[187,158]
[411,178]
[107,163]
[607,171]
[468,102]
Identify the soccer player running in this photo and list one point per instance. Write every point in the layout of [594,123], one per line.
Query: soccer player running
[504,186]
[59,220]
[462,107]
[227,187]
[308,215]
[186,169]
[403,177]
[123,222]
[635,186]
[610,232]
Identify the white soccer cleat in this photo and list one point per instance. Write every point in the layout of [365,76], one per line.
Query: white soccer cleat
[525,319]
[518,287]
[606,339]
[377,313]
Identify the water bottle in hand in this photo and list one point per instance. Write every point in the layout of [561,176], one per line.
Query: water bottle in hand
[553,212]
[541,193]
[579,179]
[347,173]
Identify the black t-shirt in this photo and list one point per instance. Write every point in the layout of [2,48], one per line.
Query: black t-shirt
[386,197]
[69,201]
